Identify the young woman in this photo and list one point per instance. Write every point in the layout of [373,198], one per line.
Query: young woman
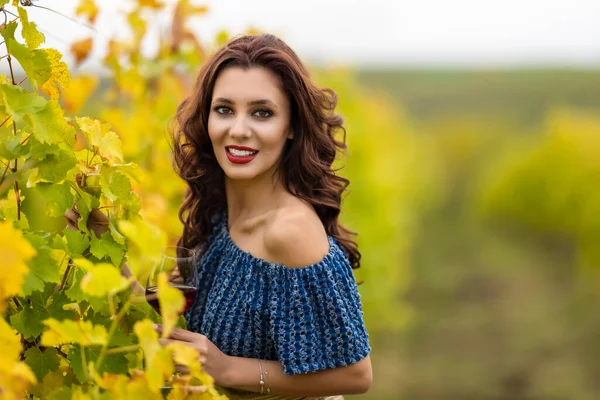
[277,311]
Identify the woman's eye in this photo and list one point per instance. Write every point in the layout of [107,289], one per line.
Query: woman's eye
[220,109]
[263,113]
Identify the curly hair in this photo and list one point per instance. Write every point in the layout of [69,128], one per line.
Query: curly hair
[306,162]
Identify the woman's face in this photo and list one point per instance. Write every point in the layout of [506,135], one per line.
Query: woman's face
[249,122]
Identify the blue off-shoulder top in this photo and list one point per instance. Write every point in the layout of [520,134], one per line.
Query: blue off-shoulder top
[308,318]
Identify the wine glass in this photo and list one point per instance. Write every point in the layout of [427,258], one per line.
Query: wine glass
[179,265]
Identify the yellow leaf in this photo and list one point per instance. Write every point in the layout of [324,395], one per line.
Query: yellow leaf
[78,92]
[186,355]
[171,303]
[81,49]
[67,331]
[102,280]
[155,4]
[15,376]
[98,134]
[33,37]
[87,9]
[158,360]
[59,74]
[147,240]
[15,251]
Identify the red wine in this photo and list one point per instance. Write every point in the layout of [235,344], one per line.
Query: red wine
[189,292]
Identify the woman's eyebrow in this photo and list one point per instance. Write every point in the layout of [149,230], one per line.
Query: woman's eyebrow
[250,103]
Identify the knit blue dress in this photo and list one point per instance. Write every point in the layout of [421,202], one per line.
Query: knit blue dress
[308,318]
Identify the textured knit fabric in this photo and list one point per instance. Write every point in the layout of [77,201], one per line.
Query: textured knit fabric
[309,318]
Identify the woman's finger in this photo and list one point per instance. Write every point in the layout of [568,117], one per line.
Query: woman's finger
[181,334]
[164,342]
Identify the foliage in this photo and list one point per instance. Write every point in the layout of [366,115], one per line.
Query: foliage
[73,326]
[550,186]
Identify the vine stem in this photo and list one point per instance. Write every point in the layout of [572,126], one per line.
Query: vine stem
[111,332]
[14,170]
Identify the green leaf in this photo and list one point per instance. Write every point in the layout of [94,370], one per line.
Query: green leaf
[58,198]
[42,268]
[112,363]
[18,102]
[45,118]
[33,37]
[106,246]
[115,185]
[77,242]
[44,305]
[42,363]
[35,63]
[75,293]
[11,148]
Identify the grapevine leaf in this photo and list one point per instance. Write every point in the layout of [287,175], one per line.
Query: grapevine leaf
[106,246]
[19,103]
[33,37]
[186,355]
[15,251]
[50,123]
[54,383]
[44,305]
[114,184]
[77,242]
[119,338]
[45,118]
[171,303]
[35,63]
[116,235]
[87,9]
[42,363]
[102,280]
[43,267]
[112,363]
[159,363]
[98,134]
[11,147]
[75,293]
[81,49]
[69,331]
[146,241]
[154,4]
[78,92]
[58,74]
[15,376]
[85,204]
[55,161]
[58,197]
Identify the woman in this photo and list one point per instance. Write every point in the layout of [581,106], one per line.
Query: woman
[277,310]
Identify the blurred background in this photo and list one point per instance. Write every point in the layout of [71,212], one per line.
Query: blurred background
[474,160]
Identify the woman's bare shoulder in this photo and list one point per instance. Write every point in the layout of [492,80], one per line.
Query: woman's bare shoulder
[295,237]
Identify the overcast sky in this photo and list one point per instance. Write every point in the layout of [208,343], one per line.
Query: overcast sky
[382,32]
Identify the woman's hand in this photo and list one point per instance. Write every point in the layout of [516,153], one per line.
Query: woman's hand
[214,361]
[97,220]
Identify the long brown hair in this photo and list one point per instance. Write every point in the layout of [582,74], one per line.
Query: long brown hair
[306,163]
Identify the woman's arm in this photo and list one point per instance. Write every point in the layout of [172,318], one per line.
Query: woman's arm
[244,373]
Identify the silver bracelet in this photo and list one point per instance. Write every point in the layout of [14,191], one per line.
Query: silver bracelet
[261,381]
[267,380]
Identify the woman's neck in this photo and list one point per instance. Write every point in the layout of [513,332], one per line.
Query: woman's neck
[249,199]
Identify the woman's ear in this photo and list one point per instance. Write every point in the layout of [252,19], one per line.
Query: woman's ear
[290,135]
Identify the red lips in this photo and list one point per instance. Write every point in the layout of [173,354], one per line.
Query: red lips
[240,159]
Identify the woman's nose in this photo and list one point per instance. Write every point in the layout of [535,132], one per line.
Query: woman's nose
[240,128]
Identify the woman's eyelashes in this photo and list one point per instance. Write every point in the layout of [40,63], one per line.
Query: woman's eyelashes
[260,113]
